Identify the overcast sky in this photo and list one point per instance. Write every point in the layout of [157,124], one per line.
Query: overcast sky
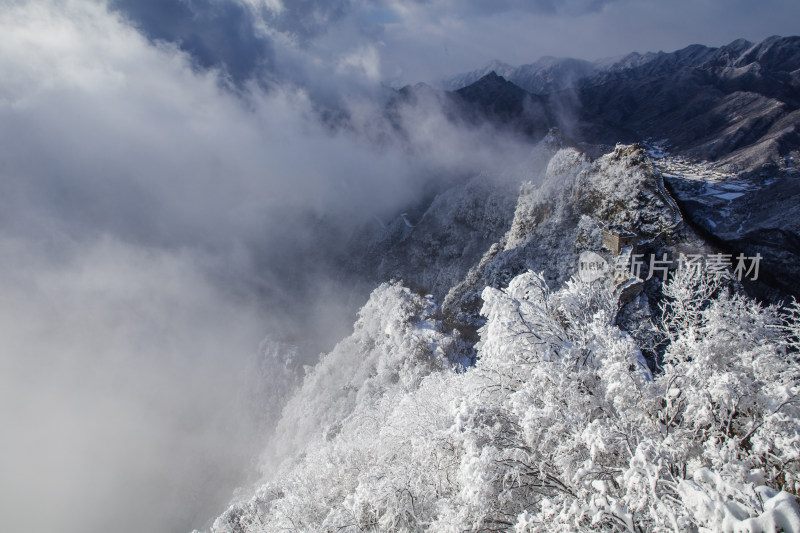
[405,41]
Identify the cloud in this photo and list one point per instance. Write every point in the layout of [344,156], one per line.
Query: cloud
[430,40]
[140,202]
[364,61]
[127,135]
[154,227]
[237,36]
[422,40]
[123,389]
[217,34]
[250,39]
[490,7]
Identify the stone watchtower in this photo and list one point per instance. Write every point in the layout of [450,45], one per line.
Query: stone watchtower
[615,239]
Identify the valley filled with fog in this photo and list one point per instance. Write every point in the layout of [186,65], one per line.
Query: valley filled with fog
[156,228]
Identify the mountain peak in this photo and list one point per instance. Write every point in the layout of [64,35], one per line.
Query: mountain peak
[777,54]
[493,75]
[495,84]
[462,80]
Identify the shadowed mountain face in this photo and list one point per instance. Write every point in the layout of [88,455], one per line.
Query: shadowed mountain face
[735,105]
[494,98]
[546,75]
[733,111]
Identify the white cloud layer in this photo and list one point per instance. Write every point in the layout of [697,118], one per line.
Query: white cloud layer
[153,228]
[123,387]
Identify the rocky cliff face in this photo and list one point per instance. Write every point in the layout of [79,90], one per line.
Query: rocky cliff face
[563,213]
[481,233]
[432,247]
[736,105]
[728,117]
[486,231]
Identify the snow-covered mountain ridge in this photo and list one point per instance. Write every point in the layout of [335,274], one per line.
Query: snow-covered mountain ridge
[576,415]
[734,108]
[551,74]
[491,385]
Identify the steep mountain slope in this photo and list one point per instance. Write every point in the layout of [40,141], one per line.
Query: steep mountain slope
[545,75]
[561,214]
[559,425]
[434,248]
[733,110]
[736,105]
[751,214]
[463,80]
[551,74]
[499,391]
[494,99]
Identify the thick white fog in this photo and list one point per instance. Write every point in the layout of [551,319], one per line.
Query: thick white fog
[148,215]
[123,377]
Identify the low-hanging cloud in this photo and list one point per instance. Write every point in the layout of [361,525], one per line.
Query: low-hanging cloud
[123,389]
[216,34]
[250,39]
[154,227]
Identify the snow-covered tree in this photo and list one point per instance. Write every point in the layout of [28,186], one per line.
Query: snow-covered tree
[559,426]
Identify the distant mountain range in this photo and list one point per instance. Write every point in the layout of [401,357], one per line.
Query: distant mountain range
[736,105]
[734,110]
[546,75]
[374,437]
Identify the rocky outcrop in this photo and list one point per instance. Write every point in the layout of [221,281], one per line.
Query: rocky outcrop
[734,109]
[433,246]
[560,215]
[759,218]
